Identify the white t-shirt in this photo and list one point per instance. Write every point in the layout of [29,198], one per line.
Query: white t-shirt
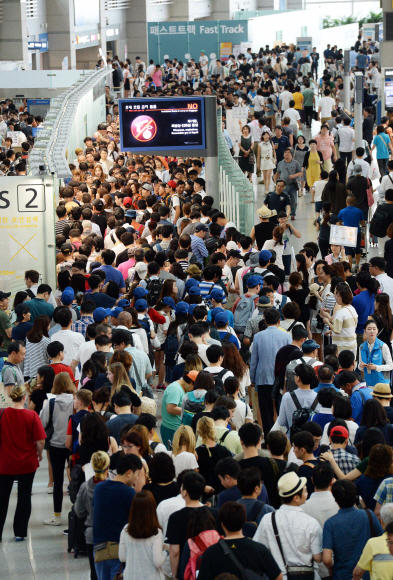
[72,341]
[346,135]
[184,460]
[327,105]
[175,204]
[242,412]
[293,115]
[319,186]
[216,370]
[163,327]
[285,98]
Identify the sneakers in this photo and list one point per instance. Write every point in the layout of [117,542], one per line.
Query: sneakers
[161,387]
[49,489]
[65,532]
[53,521]
[19,539]
[292,217]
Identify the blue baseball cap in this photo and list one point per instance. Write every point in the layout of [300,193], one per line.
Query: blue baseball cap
[182,308]
[264,256]
[190,283]
[139,292]
[191,308]
[67,296]
[123,303]
[194,291]
[222,318]
[100,313]
[309,345]
[254,281]
[215,311]
[116,311]
[141,305]
[168,301]
[216,294]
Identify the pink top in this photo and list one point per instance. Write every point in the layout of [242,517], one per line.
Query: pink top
[156,76]
[125,266]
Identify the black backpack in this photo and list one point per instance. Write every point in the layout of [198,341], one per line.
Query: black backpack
[379,223]
[218,382]
[250,527]
[154,288]
[300,415]
[225,339]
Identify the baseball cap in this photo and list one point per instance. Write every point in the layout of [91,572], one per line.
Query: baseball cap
[182,308]
[190,283]
[141,304]
[309,345]
[168,301]
[116,311]
[100,313]
[192,375]
[130,212]
[127,202]
[141,269]
[340,431]
[231,246]
[20,310]
[98,204]
[357,168]
[147,186]
[4,295]
[66,249]
[201,228]
[215,311]
[67,296]
[264,256]
[204,52]
[140,292]
[123,303]
[264,302]
[172,184]
[221,318]
[216,294]
[254,281]
[381,390]
[191,308]
[194,291]
[193,270]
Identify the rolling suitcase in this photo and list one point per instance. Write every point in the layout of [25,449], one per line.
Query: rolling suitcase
[76,534]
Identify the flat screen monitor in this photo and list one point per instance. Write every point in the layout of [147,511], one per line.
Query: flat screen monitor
[388,89]
[86,12]
[163,125]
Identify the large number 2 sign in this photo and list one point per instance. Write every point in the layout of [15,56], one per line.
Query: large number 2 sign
[31,198]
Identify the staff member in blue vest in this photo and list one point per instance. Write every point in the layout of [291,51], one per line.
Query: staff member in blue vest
[375,357]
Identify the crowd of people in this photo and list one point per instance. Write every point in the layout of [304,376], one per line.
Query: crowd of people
[218,405]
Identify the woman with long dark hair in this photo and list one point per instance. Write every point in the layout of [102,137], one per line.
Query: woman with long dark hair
[301,267]
[298,292]
[335,192]
[233,362]
[170,289]
[380,467]
[37,340]
[20,297]
[141,540]
[162,475]
[374,415]
[94,436]
[43,386]
[383,308]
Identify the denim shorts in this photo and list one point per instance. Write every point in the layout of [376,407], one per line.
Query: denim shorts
[318,206]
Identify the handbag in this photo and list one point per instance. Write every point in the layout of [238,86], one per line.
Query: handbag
[293,572]
[370,196]
[5,399]
[106,551]
[251,158]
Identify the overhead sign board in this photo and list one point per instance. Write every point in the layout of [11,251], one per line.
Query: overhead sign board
[37,45]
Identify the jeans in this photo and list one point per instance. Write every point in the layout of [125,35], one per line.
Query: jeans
[265,403]
[58,457]
[347,156]
[314,69]
[292,192]
[23,506]
[308,111]
[382,163]
[107,569]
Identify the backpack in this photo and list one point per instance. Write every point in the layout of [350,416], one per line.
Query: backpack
[197,547]
[245,574]
[226,338]
[250,527]
[301,415]
[379,223]
[244,309]
[77,477]
[160,249]
[218,382]
[192,406]
[246,276]
[154,288]
[290,384]
[170,347]
[146,326]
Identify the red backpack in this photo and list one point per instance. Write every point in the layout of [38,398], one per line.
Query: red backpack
[197,546]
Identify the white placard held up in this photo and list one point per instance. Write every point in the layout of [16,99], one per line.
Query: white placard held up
[343,236]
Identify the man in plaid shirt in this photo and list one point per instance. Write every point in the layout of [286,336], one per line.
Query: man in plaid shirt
[338,437]
[87,309]
[384,494]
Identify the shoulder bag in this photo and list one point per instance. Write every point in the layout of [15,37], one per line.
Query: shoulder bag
[5,399]
[370,197]
[246,574]
[293,572]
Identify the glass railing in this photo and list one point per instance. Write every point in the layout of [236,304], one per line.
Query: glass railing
[236,191]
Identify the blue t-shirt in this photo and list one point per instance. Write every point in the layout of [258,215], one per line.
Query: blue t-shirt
[230,317]
[362,60]
[114,275]
[112,504]
[363,303]
[381,142]
[346,534]
[230,338]
[351,216]
[233,494]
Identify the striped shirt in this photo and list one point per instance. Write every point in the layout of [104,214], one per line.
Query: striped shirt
[60,225]
[344,328]
[198,248]
[207,287]
[35,356]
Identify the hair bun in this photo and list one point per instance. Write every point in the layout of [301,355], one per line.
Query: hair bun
[17,393]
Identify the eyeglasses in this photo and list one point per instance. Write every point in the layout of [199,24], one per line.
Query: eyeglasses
[389,542]
[128,446]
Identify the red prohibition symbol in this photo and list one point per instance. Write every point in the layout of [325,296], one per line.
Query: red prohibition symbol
[143,128]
